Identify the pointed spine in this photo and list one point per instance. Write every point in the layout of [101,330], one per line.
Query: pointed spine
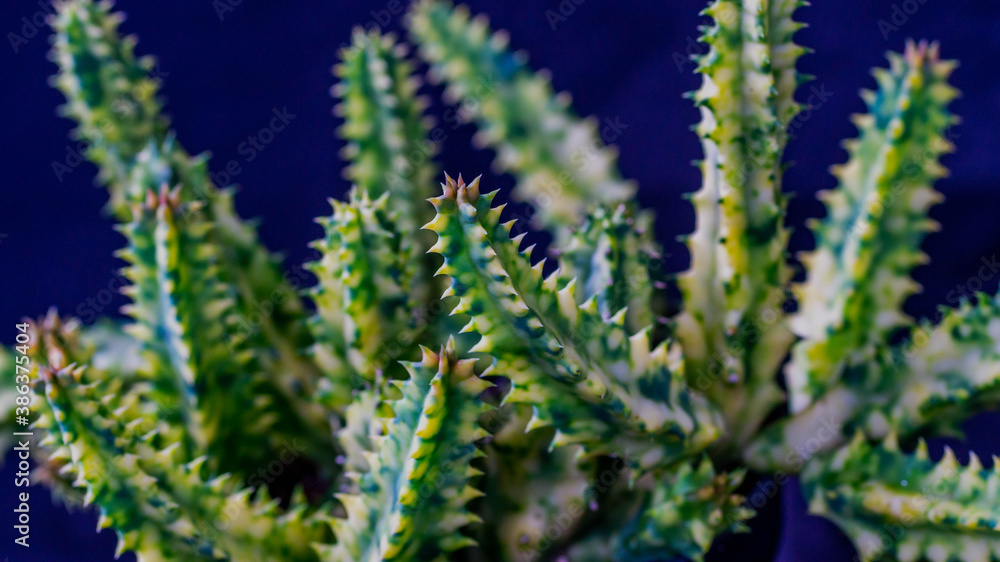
[611,255]
[361,303]
[161,506]
[948,372]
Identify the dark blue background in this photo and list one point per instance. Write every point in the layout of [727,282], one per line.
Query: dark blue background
[223,77]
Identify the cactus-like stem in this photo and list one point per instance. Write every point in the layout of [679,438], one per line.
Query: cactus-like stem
[597,384]
[851,301]
[384,124]
[531,488]
[562,167]
[411,502]
[389,150]
[360,297]
[202,377]
[733,326]
[161,507]
[112,96]
[931,511]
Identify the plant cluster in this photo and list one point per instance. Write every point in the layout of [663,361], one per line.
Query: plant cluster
[457,395]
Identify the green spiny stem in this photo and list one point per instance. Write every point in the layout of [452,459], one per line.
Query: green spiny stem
[562,167]
[361,298]
[876,220]
[385,126]
[389,149]
[597,384]
[932,511]
[183,314]
[937,380]
[112,96]
[411,503]
[733,326]
[162,508]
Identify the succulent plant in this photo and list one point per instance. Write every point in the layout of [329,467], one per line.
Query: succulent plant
[462,396]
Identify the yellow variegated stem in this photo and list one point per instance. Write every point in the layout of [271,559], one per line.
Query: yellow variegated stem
[360,299]
[411,502]
[182,314]
[783,53]
[787,445]
[906,507]
[733,327]
[598,385]
[851,301]
[112,95]
[943,375]
[384,123]
[161,508]
[562,167]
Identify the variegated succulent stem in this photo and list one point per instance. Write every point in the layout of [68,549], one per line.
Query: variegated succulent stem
[386,128]
[596,384]
[182,313]
[936,381]
[162,508]
[562,167]
[533,488]
[389,149]
[789,444]
[906,507]
[612,255]
[361,302]
[112,95]
[410,504]
[851,301]
[733,328]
